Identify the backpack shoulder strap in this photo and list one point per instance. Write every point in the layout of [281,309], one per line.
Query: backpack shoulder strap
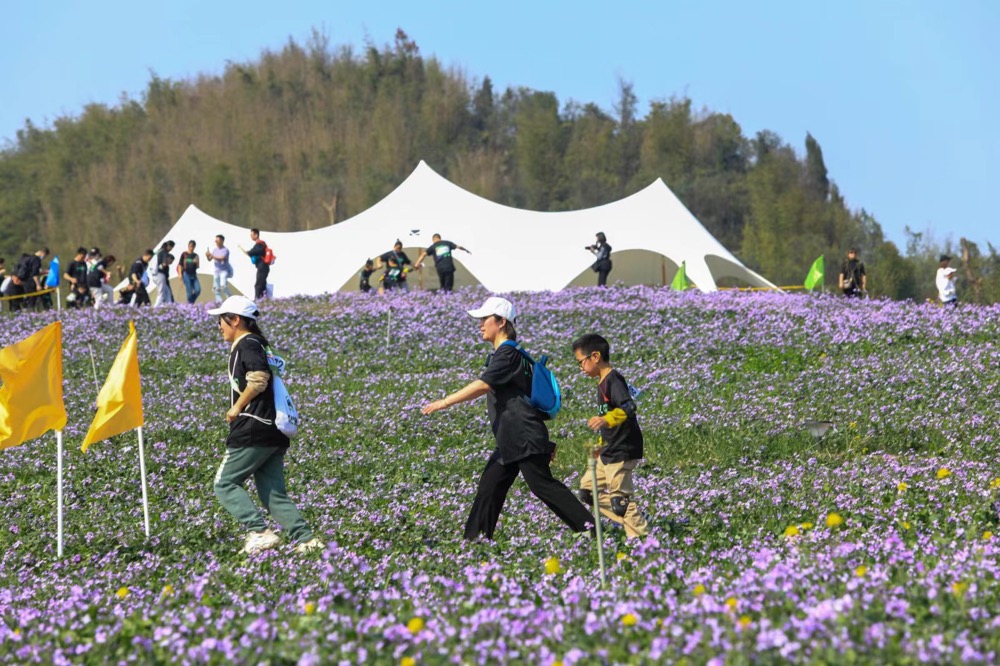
[518,347]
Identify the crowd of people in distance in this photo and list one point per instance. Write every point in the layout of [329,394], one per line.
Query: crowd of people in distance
[91,276]
[396,265]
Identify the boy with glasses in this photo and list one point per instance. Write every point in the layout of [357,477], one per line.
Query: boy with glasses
[621,438]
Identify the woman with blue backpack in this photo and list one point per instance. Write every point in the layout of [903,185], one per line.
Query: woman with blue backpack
[523,445]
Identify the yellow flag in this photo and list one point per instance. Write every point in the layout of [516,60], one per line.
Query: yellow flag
[119,404]
[31,397]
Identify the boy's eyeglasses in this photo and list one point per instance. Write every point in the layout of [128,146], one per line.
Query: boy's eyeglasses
[581,360]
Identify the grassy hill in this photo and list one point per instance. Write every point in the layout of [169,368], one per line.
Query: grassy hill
[871,545]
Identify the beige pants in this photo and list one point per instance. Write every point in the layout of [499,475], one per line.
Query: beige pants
[615,480]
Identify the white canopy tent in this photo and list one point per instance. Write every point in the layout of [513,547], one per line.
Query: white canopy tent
[512,249]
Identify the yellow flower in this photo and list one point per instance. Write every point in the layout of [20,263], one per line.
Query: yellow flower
[861,571]
[943,473]
[744,621]
[995,483]
[987,535]
[553,566]
[557,662]
[415,625]
[959,588]
[902,486]
[853,425]
[732,603]
[699,590]
[310,607]
[834,520]
[791,531]
[168,591]
[906,525]
[806,526]
[621,556]
[407,661]
[122,592]
[629,620]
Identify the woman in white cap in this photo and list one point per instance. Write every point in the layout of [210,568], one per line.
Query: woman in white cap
[255,447]
[523,444]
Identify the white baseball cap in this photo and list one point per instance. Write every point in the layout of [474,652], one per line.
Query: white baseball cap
[237,305]
[495,305]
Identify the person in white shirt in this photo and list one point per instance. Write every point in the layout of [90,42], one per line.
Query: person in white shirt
[219,256]
[945,282]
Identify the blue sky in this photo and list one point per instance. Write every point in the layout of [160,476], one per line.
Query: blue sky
[901,95]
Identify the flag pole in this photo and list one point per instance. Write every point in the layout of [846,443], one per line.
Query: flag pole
[592,464]
[93,366]
[59,493]
[142,473]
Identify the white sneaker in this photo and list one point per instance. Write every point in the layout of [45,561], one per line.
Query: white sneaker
[260,541]
[309,546]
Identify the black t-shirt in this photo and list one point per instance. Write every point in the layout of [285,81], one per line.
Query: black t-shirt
[365,276]
[33,266]
[400,259]
[163,260]
[518,427]
[255,424]
[137,269]
[852,270]
[624,441]
[95,278]
[441,251]
[190,262]
[78,270]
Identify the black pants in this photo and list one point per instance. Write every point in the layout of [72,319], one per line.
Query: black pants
[28,287]
[497,479]
[447,279]
[602,277]
[14,290]
[260,287]
[140,296]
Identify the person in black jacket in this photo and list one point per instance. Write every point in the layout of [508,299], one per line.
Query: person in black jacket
[31,276]
[853,279]
[602,262]
[621,437]
[523,444]
[160,275]
[255,447]
[256,254]
[136,294]
[76,276]
[441,251]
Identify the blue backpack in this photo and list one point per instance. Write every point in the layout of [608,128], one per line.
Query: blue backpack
[545,394]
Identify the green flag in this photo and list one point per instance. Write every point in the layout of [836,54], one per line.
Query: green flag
[680,282]
[815,276]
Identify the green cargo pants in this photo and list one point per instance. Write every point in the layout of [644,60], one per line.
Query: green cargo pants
[267,465]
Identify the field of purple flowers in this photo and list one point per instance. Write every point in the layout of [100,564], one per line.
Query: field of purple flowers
[873,544]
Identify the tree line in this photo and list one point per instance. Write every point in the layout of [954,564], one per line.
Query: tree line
[315,133]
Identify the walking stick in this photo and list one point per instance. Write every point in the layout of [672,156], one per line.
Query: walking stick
[592,464]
